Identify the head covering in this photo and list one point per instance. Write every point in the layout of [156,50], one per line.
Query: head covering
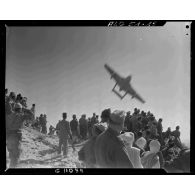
[154,146]
[128,138]
[12,95]
[117,117]
[18,106]
[141,142]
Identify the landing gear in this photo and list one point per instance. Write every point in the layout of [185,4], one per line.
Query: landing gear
[117,93]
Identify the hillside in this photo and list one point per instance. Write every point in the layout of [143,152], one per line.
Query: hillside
[40,151]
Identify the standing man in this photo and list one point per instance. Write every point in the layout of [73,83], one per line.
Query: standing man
[97,120]
[63,128]
[33,111]
[44,124]
[93,120]
[89,127]
[83,126]
[41,123]
[14,123]
[176,133]
[74,126]
[159,131]
[127,123]
[110,151]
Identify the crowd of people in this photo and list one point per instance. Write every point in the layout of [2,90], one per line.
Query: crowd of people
[40,123]
[17,115]
[117,140]
[134,141]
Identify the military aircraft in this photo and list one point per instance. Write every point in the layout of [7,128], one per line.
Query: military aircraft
[124,85]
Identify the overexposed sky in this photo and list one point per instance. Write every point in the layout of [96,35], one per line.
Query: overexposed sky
[61,69]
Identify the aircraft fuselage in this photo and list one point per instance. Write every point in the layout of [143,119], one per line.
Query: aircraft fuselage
[125,85]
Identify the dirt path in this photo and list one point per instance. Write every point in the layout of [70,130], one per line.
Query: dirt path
[40,151]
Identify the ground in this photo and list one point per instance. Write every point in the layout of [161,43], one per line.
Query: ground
[40,151]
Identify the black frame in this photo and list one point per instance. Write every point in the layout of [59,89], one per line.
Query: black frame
[66,171]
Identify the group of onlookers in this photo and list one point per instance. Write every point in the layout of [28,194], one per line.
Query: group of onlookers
[16,114]
[118,140]
[134,141]
[40,123]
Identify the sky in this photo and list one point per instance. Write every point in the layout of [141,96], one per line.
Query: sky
[61,69]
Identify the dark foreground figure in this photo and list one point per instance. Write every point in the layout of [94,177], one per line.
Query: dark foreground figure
[181,164]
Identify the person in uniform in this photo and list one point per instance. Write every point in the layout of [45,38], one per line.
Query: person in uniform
[110,151]
[14,123]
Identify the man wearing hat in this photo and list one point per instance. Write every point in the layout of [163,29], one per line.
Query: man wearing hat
[110,151]
[74,126]
[64,131]
[14,123]
[127,123]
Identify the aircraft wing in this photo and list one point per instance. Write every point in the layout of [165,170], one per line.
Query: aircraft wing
[134,94]
[138,97]
[113,74]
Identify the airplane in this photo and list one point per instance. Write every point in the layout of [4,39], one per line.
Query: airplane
[124,85]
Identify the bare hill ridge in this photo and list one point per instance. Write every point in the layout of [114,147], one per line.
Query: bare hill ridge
[40,151]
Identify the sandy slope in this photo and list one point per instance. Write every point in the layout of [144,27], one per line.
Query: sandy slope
[40,151]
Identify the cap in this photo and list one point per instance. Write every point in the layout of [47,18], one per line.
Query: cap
[117,117]
[18,106]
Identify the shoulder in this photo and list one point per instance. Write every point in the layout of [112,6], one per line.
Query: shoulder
[136,150]
[67,122]
[103,138]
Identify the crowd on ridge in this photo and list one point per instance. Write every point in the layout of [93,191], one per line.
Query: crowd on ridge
[119,136]
[118,139]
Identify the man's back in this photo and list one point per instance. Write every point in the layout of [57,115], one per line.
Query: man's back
[74,126]
[159,127]
[175,133]
[64,128]
[110,151]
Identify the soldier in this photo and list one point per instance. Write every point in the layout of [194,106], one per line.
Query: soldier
[63,128]
[83,126]
[127,123]
[110,151]
[93,120]
[160,130]
[33,111]
[74,125]
[14,123]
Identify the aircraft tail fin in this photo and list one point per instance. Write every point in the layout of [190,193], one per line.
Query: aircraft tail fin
[129,78]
